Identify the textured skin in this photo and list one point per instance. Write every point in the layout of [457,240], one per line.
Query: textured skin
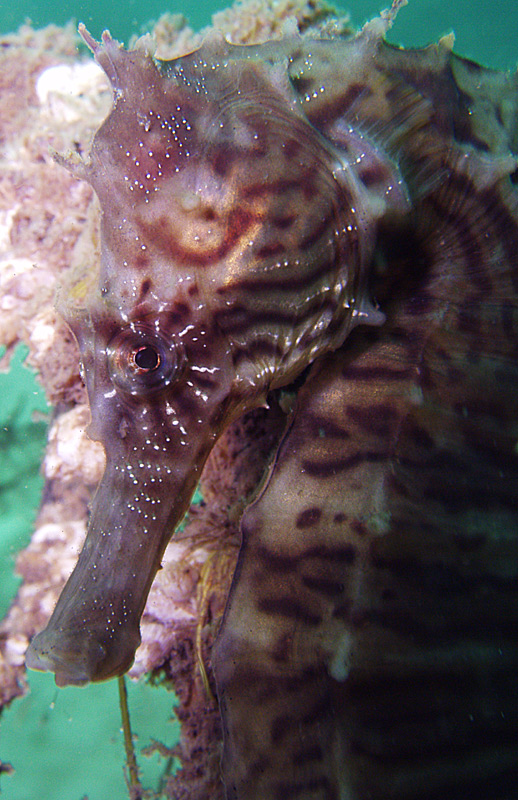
[371,629]
[254,199]
[235,247]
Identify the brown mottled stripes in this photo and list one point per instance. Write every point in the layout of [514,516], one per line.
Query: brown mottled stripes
[369,646]
[371,85]
[409,602]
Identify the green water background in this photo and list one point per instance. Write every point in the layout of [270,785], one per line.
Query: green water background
[66,744]
[486,30]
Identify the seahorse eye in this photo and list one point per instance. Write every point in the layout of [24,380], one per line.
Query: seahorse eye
[147,358]
[142,361]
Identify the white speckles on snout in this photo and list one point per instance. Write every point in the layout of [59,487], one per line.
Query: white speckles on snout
[148,468]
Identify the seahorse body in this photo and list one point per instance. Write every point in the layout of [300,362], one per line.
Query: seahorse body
[258,203]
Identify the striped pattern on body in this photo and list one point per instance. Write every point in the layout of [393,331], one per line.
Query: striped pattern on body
[221,181]
[369,645]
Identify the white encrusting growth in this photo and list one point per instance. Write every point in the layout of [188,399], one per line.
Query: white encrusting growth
[64,89]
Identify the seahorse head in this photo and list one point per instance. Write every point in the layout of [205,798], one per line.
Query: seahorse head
[235,246]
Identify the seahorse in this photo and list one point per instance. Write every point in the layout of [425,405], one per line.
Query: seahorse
[340,215]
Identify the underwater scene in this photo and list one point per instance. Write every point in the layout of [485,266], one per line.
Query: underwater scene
[259,400]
